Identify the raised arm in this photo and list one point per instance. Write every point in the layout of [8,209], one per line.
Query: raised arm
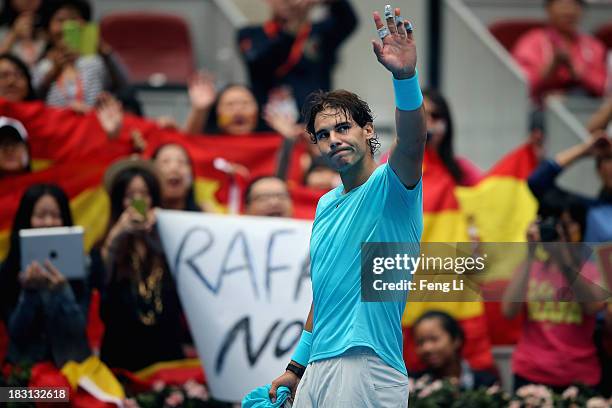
[397,53]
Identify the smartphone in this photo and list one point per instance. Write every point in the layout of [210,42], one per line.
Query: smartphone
[90,36]
[81,38]
[140,206]
[72,34]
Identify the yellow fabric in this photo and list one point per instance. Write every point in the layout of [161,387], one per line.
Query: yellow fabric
[147,372]
[4,243]
[40,164]
[205,190]
[502,208]
[459,310]
[96,372]
[91,209]
[445,226]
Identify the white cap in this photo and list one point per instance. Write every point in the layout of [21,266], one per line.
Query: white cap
[15,124]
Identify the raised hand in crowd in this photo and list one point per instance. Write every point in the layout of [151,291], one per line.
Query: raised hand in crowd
[132,220]
[167,122]
[601,119]
[598,144]
[38,277]
[560,58]
[61,56]
[298,14]
[109,113]
[21,30]
[281,115]
[202,92]
[202,95]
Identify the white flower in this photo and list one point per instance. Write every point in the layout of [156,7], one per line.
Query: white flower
[158,385]
[492,390]
[130,403]
[597,402]
[175,399]
[436,385]
[570,393]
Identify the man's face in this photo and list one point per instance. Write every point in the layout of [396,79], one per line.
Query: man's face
[269,198]
[340,140]
[565,15]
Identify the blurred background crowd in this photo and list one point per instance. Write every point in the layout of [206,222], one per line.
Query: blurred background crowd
[110,109]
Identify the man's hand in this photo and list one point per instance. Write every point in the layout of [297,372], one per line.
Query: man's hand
[397,52]
[289,380]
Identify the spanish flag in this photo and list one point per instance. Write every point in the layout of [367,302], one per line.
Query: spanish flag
[444,221]
[72,150]
[502,206]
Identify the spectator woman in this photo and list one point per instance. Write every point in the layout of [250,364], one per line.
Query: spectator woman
[556,348]
[20,32]
[15,80]
[44,313]
[440,136]
[65,78]
[440,140]
[140,306]
[175,169]
[233,111]
[439,339]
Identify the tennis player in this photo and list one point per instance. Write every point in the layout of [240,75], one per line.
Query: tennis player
[350,353]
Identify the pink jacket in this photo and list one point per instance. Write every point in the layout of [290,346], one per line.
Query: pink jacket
[535,50]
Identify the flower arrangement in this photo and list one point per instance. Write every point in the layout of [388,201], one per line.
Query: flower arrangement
[424,393]
[189,395]
[429,393]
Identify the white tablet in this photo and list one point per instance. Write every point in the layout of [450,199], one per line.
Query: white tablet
[63,246]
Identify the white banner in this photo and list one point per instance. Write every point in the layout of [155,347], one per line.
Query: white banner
[244,283]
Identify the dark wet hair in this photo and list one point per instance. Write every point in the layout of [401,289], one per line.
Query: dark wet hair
[21,66]
[9,286]
[446,150]
[449,324]
[190,201]
[346,103]
[120,185]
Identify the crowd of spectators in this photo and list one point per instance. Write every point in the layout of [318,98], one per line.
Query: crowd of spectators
[287,58]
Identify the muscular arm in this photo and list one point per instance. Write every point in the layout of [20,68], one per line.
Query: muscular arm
[407,157]
[397,53]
